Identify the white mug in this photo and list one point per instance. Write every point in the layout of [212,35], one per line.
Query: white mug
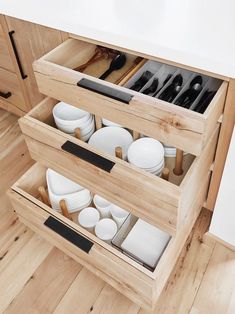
[88,218]
[106,229]
[103,206]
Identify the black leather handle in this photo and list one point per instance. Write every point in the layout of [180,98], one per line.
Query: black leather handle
[85,154]
[5,95]
[105,90]
[11,33]
[69,234]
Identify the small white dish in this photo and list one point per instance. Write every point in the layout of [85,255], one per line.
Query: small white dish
[106,229]
[119,214]
[102,205]
[146,242]
[88,218]
[106,122]
[108,138]
[59,188]
[145,153]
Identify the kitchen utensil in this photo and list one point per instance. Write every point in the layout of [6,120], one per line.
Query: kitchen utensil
[146,243]
[186,99]
[108,138]
[119,214]
[144,78]
[116,64]
[88,218]
[173,89]
[132,70]
[204,101]
[169,76]
[152,88]
[103,206]
[106,229]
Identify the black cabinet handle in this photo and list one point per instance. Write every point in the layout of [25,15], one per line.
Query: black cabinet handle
[105,90]
[85,154]
[5,95]
[69,234]
[24,76]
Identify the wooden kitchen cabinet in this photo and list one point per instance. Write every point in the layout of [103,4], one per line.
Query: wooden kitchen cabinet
[21,43]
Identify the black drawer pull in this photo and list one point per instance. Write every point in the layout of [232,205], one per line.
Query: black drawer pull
[85,154]
[69,234]
[105,90]
[5,95]
[24,76]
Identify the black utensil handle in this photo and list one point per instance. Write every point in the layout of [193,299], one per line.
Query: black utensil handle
[5,95]
[24,76]
[69,234]
[105,74]
[105,90]
[85,154]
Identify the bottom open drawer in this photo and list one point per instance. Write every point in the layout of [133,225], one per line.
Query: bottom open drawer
[140,284]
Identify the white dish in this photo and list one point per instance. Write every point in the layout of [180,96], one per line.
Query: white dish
[106,122]
[60,188]
[146,243]
[106,229]
[85,126]
[65,113]
[146,152]
[108,138]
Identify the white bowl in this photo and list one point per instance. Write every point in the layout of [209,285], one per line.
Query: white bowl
[86,125]
[88,218]
[106,229]
[108,138]
[102,205]
[65,113]
[60,188]
[146,152]
[106,122]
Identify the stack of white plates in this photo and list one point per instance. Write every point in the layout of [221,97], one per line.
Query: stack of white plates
[68,118]
[61,188]
[147,154]
[110,137]
[169,151]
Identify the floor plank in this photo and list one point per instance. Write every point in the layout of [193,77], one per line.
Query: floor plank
[46,286]
[217,292]
[82,294]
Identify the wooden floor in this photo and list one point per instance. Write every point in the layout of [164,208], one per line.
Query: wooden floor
[38,278]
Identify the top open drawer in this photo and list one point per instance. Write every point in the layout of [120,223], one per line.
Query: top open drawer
[169,123]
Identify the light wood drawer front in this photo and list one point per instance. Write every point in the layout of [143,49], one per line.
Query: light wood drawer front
[171,124]
[164,204]
[5,59]
[10,89]
[123,273]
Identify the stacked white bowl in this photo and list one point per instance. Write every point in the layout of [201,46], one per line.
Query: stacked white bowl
[169,151]
[68,118]
[147,154]
[61,188]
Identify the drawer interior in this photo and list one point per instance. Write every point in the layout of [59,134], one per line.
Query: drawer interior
[28,185]
[74,53]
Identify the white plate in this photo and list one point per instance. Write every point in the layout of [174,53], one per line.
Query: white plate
[110,123]
[146,152]
[108,138]
[146,242]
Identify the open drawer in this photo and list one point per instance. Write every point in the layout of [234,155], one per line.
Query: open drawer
[126,275]
[162,203]
[171,124]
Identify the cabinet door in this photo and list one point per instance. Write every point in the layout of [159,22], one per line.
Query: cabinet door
[32,41]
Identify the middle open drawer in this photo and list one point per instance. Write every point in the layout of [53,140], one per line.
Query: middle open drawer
[162,203]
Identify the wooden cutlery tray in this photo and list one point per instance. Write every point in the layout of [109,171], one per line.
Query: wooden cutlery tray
[123,273]
[159,202]
[170,124]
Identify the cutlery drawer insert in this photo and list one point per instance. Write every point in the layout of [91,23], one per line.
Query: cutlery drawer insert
[169,123]
[140,284]
[162,203]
